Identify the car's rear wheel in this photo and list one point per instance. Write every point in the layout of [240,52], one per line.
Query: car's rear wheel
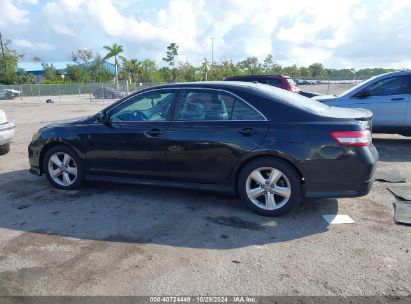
[269,186]
[63,168]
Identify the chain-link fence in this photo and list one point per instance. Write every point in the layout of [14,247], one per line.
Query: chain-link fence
[109,92]
[69,93]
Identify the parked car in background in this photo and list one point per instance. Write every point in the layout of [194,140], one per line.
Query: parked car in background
[282,82]
[107,93]
[7,130]
[386,95]
[271,147]
[9,93]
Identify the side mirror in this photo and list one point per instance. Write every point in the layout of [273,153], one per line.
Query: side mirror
[103,118]
[363,94]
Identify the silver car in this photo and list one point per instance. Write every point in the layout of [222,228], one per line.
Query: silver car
[6,133]
[386,95]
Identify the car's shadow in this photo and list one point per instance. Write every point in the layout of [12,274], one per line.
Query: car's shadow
[394,149]
[141,214]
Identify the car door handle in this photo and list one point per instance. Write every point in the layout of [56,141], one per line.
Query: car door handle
[247,131]
[397,99]
[154,132]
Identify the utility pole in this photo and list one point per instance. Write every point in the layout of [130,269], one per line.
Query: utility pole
[1,45]
[4,57]
[212,51]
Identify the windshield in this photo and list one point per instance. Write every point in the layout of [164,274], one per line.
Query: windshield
[291,81]
[293,99]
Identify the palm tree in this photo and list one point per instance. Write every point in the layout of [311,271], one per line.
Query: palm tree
[114,51]
[205,66]
[133,68]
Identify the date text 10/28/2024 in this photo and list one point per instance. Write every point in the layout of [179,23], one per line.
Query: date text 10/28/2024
[200,299]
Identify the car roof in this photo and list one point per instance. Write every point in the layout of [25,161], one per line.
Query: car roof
[257,76]
[208,84]
[396,73]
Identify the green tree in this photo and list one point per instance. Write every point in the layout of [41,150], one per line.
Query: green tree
[50,72]
[251,66]
[133,69]
[9,59]
[113,52]
[150,72]
[291,71]
[88,67]
[166,74]
[270,67]
[82,56]
[305,72]
[317,70]
[171,54]
[187,72]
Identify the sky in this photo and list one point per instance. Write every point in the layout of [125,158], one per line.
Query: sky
[338,33]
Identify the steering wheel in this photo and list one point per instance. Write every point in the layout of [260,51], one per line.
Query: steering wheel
[138,115]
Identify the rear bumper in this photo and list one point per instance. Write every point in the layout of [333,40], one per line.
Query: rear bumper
[353,181]
[340,190]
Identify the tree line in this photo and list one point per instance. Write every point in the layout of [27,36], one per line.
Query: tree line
[88,66]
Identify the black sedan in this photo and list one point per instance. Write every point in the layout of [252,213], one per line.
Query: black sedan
[271,147]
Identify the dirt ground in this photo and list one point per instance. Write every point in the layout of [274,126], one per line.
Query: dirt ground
[135,240]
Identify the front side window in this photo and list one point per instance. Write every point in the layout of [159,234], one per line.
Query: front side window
[152,106]
[211,105]
[390,86]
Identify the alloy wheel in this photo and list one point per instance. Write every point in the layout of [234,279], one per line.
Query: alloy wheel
[268,188]
[62,169]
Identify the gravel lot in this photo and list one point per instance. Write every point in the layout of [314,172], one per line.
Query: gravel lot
[134,240]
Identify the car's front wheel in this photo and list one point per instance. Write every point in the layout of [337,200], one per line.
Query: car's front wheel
[5,149]
[269,186]
[63,168]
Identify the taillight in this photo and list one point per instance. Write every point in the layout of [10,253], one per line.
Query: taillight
[353,138]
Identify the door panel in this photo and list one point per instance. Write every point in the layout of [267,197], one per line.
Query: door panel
[211,130]
[131,142]
[388,110]
[387,98]
[207,151]
[128,149]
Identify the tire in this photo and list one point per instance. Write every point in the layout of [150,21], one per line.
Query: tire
[279,196]
[69,173]
[4,149]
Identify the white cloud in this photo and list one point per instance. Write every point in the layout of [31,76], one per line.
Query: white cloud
[338,33]
[27,44]
[64,30]
[11,13]
[33,2]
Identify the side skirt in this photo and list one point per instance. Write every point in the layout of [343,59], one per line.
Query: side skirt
[226,188]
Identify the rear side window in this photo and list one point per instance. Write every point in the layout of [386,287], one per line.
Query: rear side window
[212,105]
[390,86]
[243,111]
[273,82]
[292,99]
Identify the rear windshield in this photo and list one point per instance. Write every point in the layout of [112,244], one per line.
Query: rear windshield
[292,99]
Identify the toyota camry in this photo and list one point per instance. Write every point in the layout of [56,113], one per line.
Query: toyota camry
[271,147]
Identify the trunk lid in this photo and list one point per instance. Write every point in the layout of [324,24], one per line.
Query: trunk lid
[363,116]
[347,113]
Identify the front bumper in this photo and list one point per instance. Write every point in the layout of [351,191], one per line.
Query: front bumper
[7,132]
[34,158]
